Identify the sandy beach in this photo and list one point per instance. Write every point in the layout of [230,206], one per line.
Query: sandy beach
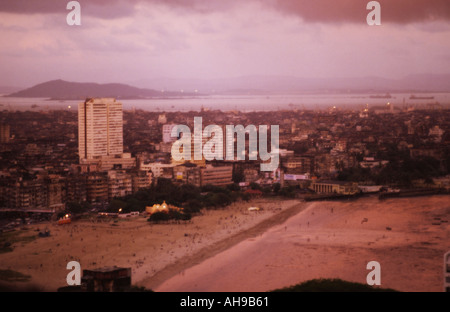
[407,236]
[155,252]
[233,249]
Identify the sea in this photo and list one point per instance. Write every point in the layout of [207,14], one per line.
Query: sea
[246,103]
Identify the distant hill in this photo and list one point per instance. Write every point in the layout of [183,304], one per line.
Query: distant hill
[244,85]
[64,90]
[259,84]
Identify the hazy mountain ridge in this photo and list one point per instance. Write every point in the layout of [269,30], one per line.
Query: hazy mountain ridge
[290,84]
[64,90]
[252,85]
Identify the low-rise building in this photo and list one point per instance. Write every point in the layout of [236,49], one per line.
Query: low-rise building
[187,173]
[218,176]
[334,187]
[119,184]
[158,169]
[140,179]
[108,279]
[97,187]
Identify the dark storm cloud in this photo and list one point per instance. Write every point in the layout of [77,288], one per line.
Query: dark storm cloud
[109,8]
[100,8]
[322,11]
[396,11]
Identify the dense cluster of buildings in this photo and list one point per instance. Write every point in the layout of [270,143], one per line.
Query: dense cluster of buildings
[100,152]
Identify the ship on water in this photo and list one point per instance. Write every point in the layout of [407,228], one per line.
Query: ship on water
[413,97]
[385,96]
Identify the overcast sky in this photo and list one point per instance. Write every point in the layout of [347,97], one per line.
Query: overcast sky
[131,41]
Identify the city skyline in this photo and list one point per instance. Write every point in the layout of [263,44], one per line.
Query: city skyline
[378,157]
[140,41]
[224,146]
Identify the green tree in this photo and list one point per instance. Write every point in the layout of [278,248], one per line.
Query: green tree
[77,208]
[238,174]
[222,199]
[193,206]
[159,216]
[234,187]
[276,187]
[117,204]
[245,196]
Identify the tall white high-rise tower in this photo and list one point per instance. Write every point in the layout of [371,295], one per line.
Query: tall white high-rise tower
[100,128]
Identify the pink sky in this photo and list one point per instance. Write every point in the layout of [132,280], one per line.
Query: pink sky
[131,41]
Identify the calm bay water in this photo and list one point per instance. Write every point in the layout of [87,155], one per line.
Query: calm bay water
[242,102]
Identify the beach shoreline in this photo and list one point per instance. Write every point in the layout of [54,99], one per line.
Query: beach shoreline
[149,249]
[334,239]
[235,249]
[213,249]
